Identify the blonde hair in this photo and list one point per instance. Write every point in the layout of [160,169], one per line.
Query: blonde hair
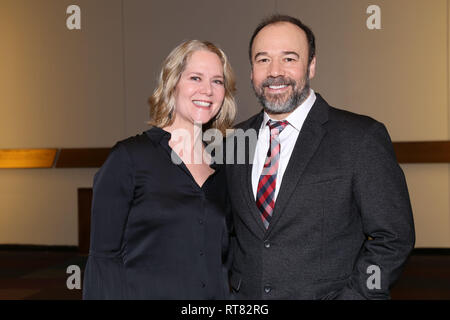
[162,101]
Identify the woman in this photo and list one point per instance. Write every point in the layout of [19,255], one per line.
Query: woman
[159,219]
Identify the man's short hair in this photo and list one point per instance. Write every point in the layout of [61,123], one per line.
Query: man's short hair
[275,18]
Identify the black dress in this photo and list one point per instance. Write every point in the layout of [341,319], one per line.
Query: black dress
[155,234]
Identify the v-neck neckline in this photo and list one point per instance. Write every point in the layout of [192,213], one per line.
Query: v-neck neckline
[164,137]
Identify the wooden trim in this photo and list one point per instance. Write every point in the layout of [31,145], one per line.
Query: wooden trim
[431,251]
[27,158]
[34,247]
[53,158]
[82,157]
[423,152]
[84,219]
[407,152]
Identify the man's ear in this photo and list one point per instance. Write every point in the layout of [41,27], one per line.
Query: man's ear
[312,68]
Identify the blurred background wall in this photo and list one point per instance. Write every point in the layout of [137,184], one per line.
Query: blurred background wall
[62,88]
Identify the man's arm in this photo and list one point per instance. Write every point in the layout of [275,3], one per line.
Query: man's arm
[381,194]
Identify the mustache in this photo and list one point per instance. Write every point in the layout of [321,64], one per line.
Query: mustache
[278,81]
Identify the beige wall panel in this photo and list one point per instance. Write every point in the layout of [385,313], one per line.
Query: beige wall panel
[60,87]
[429,189]
[39,206]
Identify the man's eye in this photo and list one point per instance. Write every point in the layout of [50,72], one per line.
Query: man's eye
[263,60]
[289,59]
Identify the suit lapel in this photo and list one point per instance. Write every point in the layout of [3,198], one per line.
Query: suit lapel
[306,145]
[246,180]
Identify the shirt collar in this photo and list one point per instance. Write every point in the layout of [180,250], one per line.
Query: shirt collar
[162,136]
[298,116]
[157,134]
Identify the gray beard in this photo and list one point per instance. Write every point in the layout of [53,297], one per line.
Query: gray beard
[278,106]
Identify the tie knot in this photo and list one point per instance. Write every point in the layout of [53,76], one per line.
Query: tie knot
[278,125]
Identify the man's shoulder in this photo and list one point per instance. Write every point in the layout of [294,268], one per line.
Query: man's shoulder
[345,120]
[342,116]
[345,124]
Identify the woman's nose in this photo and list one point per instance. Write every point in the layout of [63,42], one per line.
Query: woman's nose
[207,88]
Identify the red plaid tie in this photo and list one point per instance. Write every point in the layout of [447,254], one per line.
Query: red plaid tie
[267,181]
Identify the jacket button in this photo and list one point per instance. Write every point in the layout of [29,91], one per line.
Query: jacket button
[267,244]
[267,289]
[201,253]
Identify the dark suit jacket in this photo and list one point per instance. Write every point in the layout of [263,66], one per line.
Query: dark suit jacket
[343,206]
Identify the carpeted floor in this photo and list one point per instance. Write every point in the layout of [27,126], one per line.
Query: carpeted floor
[36,275]
[425,277]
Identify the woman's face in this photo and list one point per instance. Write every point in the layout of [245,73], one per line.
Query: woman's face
[200,91]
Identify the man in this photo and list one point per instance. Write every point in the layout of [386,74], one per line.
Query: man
[321,211]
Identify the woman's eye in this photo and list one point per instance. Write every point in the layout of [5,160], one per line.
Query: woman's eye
[218,82]
[195,78]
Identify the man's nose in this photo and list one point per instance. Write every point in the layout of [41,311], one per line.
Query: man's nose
[275,69]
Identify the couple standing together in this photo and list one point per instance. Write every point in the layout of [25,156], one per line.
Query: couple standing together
[319,206]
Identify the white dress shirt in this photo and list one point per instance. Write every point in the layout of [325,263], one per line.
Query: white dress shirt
[287,137]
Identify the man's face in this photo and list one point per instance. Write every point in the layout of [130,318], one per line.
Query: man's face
[280,72]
